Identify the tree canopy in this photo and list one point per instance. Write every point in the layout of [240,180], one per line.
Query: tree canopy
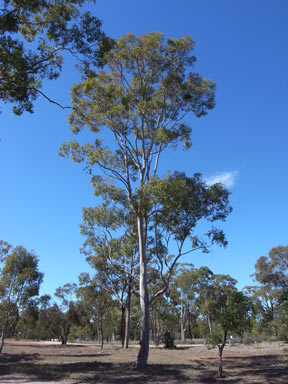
[19,282]
[34,38]
[138,103]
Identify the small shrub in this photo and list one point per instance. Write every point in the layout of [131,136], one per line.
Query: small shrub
[247,338]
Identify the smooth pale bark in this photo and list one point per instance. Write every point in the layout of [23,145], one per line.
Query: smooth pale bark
[143,291]
[127,319]
[210,324]
[183,321]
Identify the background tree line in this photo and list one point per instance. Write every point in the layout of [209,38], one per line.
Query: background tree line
[198,305]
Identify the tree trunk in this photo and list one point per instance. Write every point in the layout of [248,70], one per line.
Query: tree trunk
[66,332]
[64,338]
[220,351]
[210,324]
[190,330]
[153,322]
[182,332]
[127,320]
[98,334]
[3,332]
[183,321]
[102,334]
[122,325]
[144,300]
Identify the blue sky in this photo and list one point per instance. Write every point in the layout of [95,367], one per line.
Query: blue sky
[240,44]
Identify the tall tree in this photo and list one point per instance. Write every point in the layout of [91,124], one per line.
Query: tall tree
[141,100]
[34,38]
[19,283]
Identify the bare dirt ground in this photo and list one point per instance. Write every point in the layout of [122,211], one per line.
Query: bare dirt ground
[23,362]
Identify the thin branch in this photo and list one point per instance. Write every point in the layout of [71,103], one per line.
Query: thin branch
[50,100]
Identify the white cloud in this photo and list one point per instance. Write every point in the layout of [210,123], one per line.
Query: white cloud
[225,178]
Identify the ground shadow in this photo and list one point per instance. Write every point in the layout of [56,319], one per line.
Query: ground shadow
[94,372]
[270,369]
[264,369]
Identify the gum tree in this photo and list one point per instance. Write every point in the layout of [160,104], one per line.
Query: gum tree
[19,283]
[271,277]
[191,283]
[138,104]
[97,305]
[34,38]
[230,310]
[114,257]
[68,310]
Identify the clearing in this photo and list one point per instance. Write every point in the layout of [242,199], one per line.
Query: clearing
[24,362]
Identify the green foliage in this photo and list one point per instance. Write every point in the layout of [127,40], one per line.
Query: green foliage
[66,294]
[227,309]
[68,310]
[5,248]
[138,104]
[26,327]
[20,280]
[141,96]
[98,307]
[215,336]
[251,338]
[181,202]
[271,273]
[34,36]
[47,326]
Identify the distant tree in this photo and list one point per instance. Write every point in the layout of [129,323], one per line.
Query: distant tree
[230,311]
[189,282]
[97,304]
[271,276]
[68,310]
[47,326]
[114,256]
[272,270]
[34,38]
[283,316]
[19,284]
[142,98]
[26,327]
